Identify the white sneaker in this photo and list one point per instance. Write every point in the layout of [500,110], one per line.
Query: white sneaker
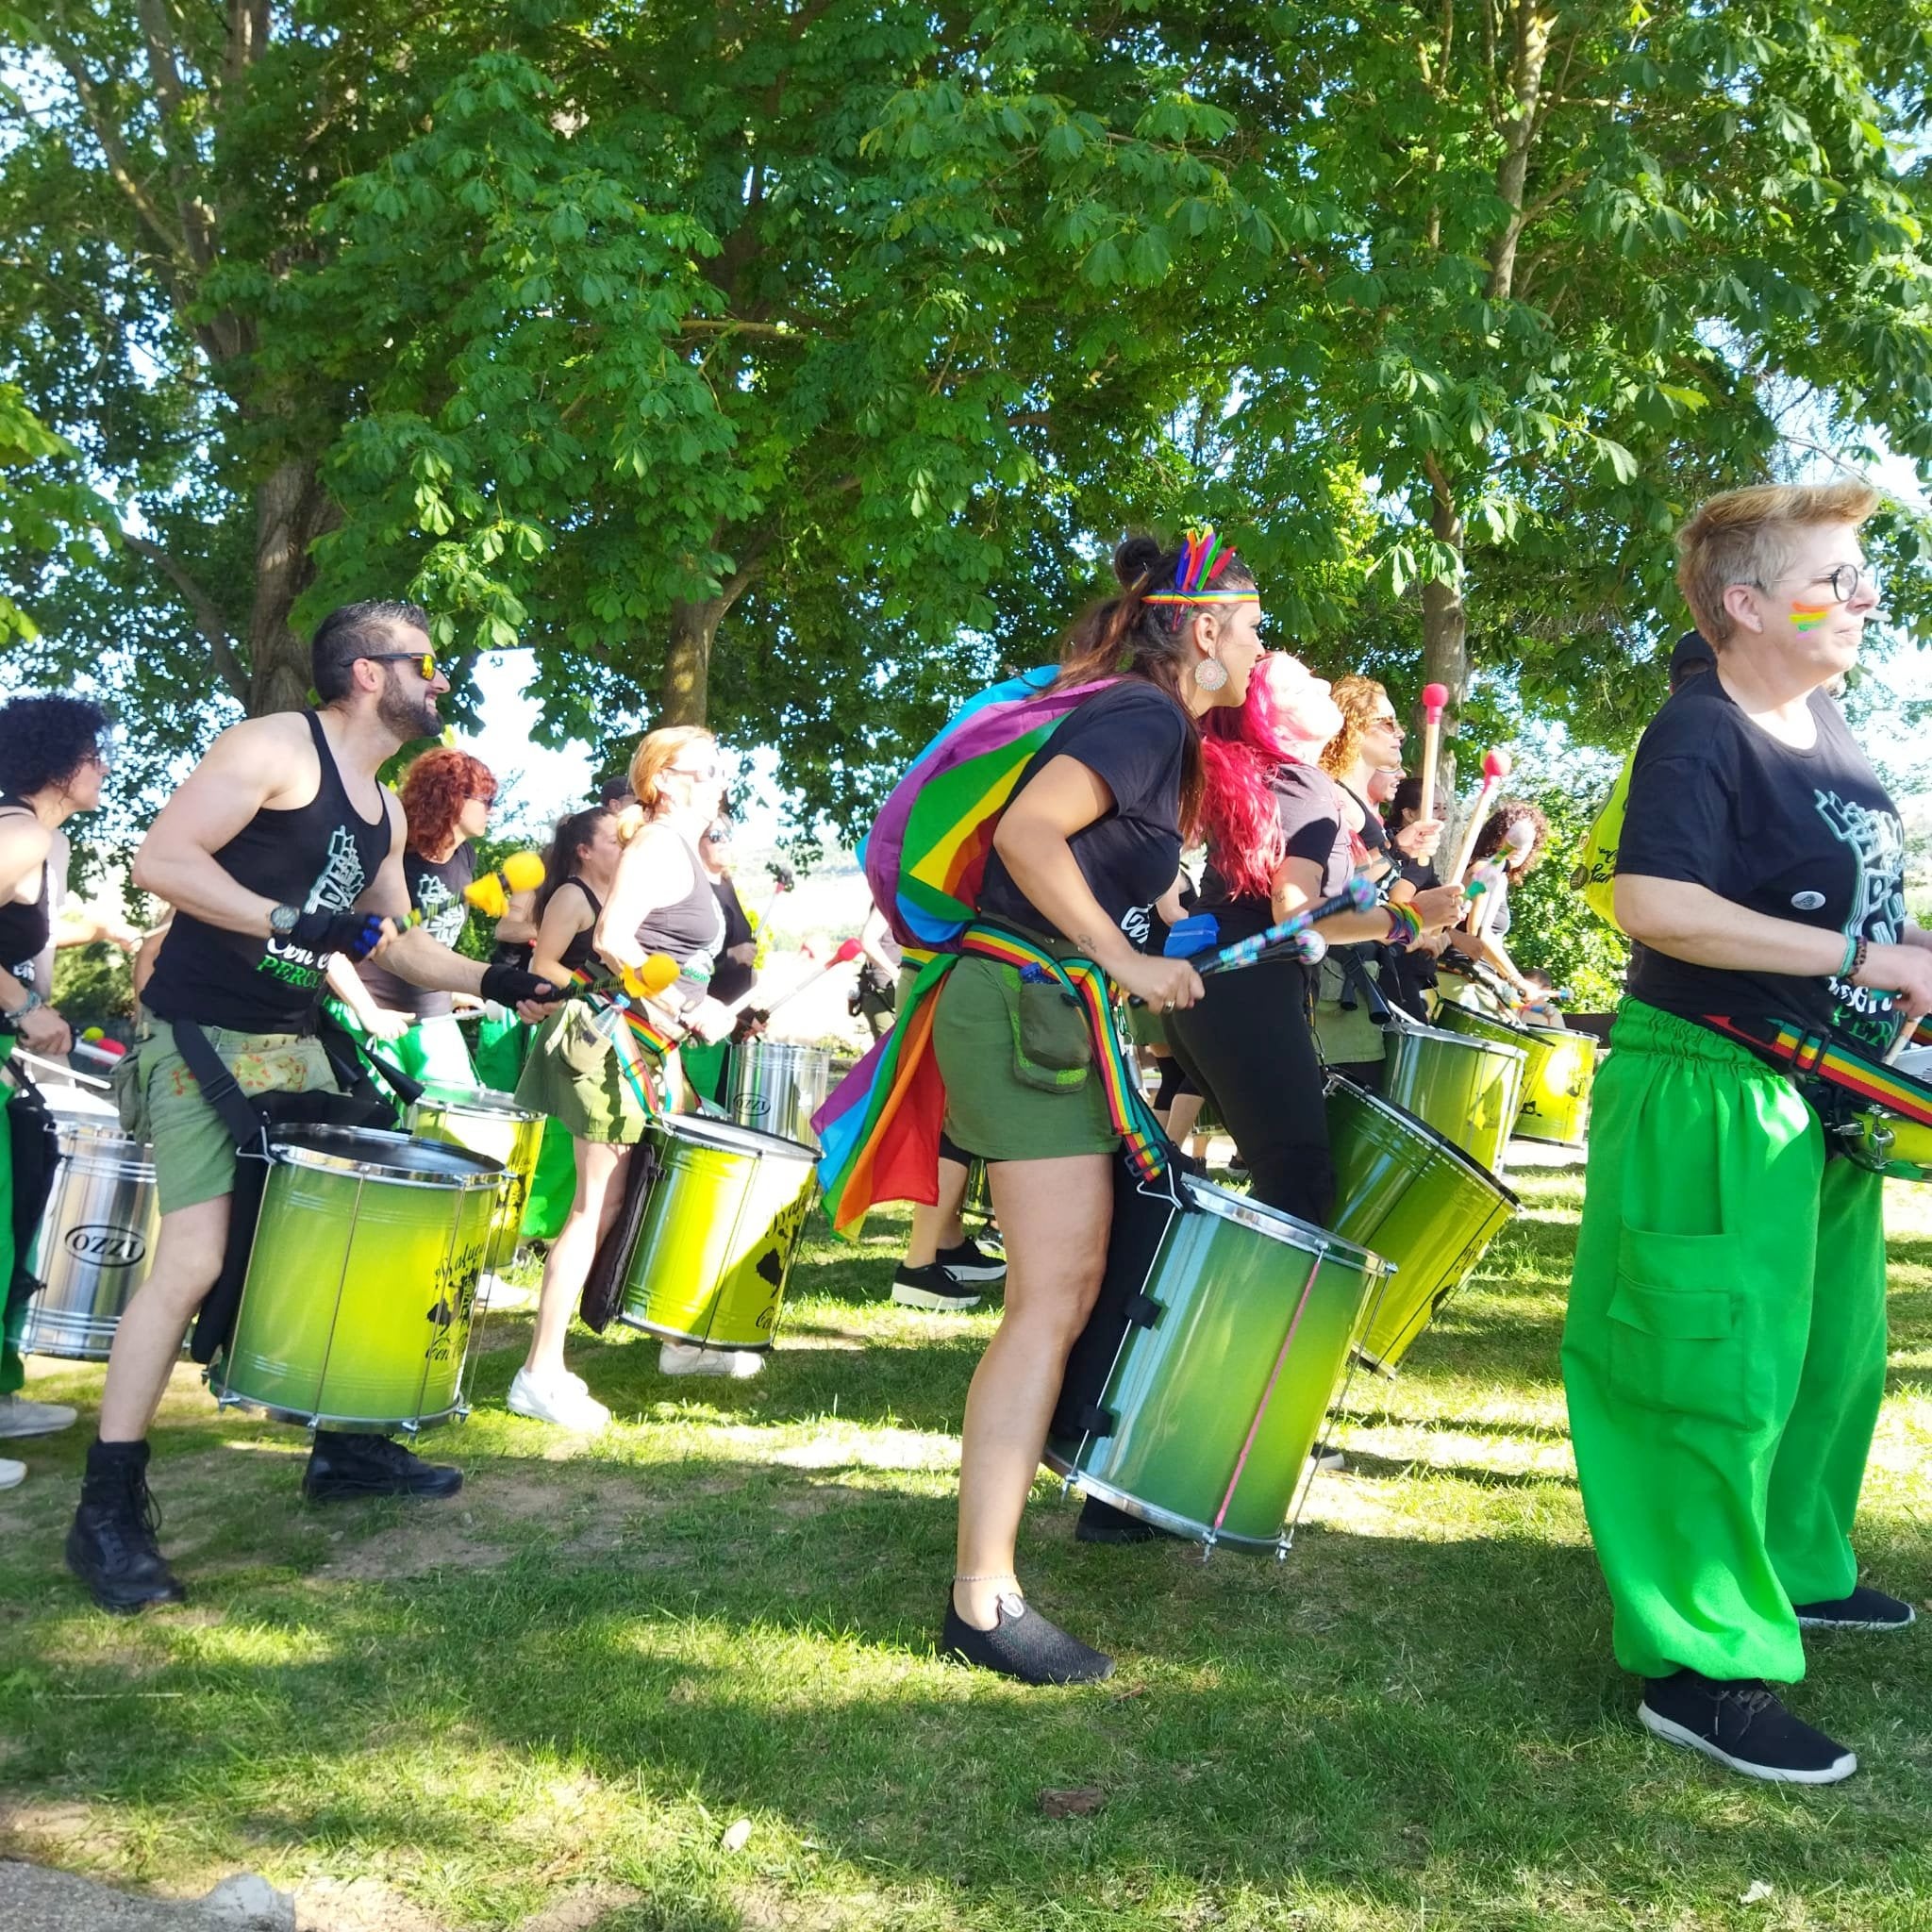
[20,1417]
[493,1291]
[12,1474]
[687,1358]
[558,1399]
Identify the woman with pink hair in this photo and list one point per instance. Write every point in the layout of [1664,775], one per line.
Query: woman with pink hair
[1278,840]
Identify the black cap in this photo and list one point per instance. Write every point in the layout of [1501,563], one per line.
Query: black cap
[1691,655]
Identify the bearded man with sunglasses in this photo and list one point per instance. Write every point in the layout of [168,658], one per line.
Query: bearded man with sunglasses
[280,849]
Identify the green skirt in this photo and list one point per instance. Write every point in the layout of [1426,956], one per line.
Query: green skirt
[576,1076]
[1018,1064]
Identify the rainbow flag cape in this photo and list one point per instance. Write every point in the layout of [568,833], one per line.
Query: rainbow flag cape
[927,851]
[880,1129]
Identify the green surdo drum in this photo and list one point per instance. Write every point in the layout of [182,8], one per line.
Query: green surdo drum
[491,1124]
[726,1210]
[355,1311]
[1195,1395]
[1467,1089]
[1557,1075]
[1418,1201]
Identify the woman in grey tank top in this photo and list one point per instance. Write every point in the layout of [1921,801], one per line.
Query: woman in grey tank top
[660,901]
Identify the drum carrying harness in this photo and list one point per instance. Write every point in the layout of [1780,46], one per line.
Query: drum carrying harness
[1836,1082]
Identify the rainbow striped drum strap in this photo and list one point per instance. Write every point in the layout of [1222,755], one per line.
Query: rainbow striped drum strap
[1821,1058]
[1082,982]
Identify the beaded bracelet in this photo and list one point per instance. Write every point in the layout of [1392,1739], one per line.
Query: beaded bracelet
[1859,952]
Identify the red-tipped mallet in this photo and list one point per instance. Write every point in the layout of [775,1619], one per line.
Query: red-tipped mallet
[1497,765]
[1435,698]
[848,950]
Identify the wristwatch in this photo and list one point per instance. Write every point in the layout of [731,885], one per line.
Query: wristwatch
[281,922]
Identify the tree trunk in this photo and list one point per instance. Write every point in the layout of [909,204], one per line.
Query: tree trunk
[292,510]
[1446,628]
[684,696]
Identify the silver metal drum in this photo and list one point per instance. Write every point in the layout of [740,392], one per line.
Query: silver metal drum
[96,1238]
[776,1087]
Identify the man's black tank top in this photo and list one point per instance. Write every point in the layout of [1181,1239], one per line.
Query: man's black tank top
[322,855]
[691,928]
[25,927]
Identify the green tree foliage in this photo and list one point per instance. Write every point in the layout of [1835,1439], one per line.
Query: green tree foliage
[793,363]
[1551,927]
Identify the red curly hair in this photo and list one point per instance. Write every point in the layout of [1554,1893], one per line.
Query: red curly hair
[434,791]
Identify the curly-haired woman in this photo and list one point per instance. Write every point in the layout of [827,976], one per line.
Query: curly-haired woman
[1515,836]
[446,797]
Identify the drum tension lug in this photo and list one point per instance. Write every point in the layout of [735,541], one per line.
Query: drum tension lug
[1143,1310]
[1094,1420]
[1208,1543]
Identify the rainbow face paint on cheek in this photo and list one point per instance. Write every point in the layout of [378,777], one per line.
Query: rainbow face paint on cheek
[1808,616]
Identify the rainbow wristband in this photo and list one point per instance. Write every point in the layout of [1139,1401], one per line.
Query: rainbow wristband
[1846,964]
[1405,924]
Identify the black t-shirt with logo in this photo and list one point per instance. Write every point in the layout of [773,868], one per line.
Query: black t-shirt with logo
[435,890]
[1133,736]
[1811,836]
[1307,807]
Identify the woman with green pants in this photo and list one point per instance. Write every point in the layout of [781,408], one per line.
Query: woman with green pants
[1724,1351]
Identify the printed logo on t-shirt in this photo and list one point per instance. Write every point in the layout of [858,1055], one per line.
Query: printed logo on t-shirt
[1137,922]
[443,911]
[1877,843]
[336,888]
[25,972]
[1807,902]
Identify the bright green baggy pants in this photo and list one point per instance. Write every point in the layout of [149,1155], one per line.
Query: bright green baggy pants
[1725,1353]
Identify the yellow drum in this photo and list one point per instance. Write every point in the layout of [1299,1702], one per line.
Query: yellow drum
[1887,1143]
[1556,1076]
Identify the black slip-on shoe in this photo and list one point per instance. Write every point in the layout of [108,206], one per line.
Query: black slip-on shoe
[343,1467]
[1022,1645]
[1865,1610]
[1739,1723]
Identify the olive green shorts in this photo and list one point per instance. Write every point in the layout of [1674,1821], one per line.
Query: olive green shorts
[1017,1063]
[159,1101]
[574,1076]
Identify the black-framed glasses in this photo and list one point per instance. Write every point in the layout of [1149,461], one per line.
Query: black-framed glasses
[1841,579]
[425,661]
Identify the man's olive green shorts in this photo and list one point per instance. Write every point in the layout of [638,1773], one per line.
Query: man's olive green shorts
[160,1101]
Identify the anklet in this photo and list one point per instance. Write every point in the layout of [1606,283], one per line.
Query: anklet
[990,1576]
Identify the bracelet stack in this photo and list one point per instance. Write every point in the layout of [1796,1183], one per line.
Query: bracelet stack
[1405,925]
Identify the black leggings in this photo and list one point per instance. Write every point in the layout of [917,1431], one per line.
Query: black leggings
[1249,1048]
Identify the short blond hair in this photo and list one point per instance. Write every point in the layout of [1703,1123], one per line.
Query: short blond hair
[1747,536]
[1356,698]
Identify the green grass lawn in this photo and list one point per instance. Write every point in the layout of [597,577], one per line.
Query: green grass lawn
[545,1703]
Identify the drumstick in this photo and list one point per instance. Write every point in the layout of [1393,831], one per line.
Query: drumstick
[783,881]
[848,949]
[1434,697]
[1496,767]
[1358,896]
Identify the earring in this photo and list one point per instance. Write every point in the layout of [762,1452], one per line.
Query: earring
[1210,674]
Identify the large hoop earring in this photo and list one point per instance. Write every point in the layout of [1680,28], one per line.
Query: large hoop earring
[1210,674]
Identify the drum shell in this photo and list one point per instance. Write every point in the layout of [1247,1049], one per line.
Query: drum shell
[95,1241]
[1466,1088]
[493,1124]
[1228,1279]
[715,1244]
[775,1087]
[356,1307]
[1419,1202]
[1556,1077]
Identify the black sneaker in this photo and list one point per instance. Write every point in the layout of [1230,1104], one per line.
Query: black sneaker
[1325,1455]
[112,1544]
[1744,1728]
[932,1286]
[970,1262]
[343,1467]
[1865,1610]
[1022,1645]
[1101,1522]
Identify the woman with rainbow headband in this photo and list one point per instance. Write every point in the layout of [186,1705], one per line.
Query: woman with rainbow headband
[1086,852]
[602,1079]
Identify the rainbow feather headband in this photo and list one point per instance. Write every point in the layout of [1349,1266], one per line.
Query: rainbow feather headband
[1203,558]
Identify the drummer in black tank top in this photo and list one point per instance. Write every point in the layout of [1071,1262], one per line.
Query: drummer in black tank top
[278,852]
[51,766]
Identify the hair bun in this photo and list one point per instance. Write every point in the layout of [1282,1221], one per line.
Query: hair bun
[1135,560]
[630,821]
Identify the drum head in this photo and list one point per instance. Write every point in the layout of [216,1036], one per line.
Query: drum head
[474,1100]
[78,1103]
[369,1154]
[1466,1042]
[1205,1198]
[728,1136]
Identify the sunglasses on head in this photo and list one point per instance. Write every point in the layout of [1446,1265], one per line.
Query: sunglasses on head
[425,661]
